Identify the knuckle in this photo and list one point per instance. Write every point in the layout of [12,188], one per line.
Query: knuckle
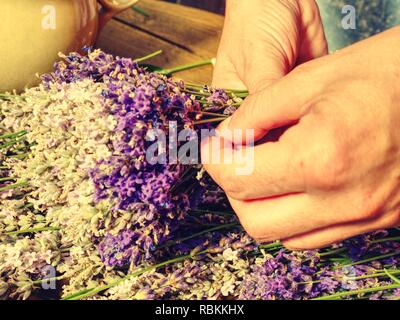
[329,163]
[375,199]
[393,219]
[233,188]
[255,234]
[367,213]
[302,69]
[368,205]
[212,172]
[256,231]
[252,228]
[248,109]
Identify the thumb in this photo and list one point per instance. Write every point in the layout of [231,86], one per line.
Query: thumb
[280,104]
[225,74]
[313,44]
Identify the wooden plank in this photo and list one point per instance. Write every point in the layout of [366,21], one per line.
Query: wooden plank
[121,40]
[196,30]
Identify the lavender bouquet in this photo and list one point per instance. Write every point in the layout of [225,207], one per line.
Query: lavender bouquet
[84,214]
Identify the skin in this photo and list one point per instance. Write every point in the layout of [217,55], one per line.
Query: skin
[334,171]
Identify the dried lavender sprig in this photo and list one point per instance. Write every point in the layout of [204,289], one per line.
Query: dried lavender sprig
[359,291]
[91,292]
[86,293]
[32,230]
[385,274]
[279,245]
[383,256]
[186,67]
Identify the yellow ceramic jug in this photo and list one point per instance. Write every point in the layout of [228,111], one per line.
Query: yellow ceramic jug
[33,32]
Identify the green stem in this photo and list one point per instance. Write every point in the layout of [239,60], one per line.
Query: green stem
[19,156]
[10,96]
[185,67]
[367,276]
[273,245]
[386,240]
[141,11]
[222,213]
[49,279]
[374,275]
[342,250]
[210,120]
[359,291]
[32,230]
[73,296]
[392,277]
[198,93]
[241,95]
[7,179]
[13,135]
[367,260]
[9,144]
[332,252]
[26,206]
[151,55]
[205,113]
[220,227]
[93,291]
[14,186]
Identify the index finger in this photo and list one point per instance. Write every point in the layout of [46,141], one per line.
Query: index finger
[254,172]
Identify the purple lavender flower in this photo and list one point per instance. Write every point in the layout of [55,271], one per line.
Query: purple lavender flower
[139,101]
[357,246]
[118,250]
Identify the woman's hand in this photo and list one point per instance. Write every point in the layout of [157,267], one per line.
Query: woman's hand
[335,172]
[263,40]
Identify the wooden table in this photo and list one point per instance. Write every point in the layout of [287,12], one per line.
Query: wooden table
[186,35]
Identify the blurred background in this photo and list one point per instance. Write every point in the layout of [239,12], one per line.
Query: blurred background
[217,6]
